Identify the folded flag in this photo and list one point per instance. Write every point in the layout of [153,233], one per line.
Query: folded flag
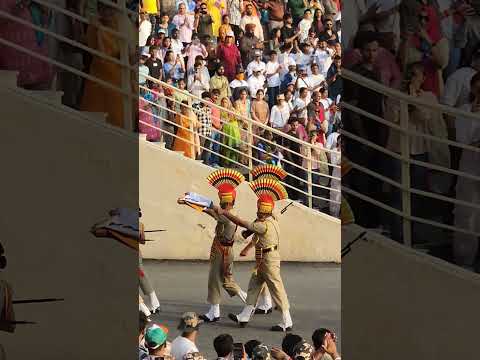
[197,201]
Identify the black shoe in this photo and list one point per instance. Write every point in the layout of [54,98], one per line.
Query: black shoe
[156,310]
[206,319]
[234,318]
[280,329]
[263,312]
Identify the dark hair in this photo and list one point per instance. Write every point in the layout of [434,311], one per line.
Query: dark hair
[224,16]
[318,336]
[263,91]
[273,52]
[289,342]
[364,38]
[223,345]
[205,95]
[163,14]
[215,92]
[310,11]
[287,16]
[250,345]
[337,57]
[143,321]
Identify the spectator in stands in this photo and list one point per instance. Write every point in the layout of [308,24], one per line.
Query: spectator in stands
[305,25]
[229,55]
[267,149]
[204,116]
[173,67]
[216,129]
[272,73]
[185,139]
[256,81]
[145,29]
[203,21]
[251,19]
[194,49]
[185,24]
[249,45]
[297,9]
[238,84]
[224,29]
[223,345]
[280,113]
[220,82]
[324,343]
[197,83]
[231,134]
[156,342]
[155,65]
[260,112]
[186,342]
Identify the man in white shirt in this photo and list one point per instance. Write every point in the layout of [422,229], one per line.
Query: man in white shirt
[256,82]
[303,81]
[250,18]
[300,105]
[457,87]
[145,29]
[304,25]
[197,82]
[238,84]
[280,113]
[185,343]
[315,79]
[323,56]
[272,73]
[257,63]
[305,57]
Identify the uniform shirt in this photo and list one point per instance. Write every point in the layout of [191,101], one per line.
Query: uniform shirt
[225,230]
[266,233]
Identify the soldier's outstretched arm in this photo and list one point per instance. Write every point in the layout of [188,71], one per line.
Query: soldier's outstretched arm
[235,219]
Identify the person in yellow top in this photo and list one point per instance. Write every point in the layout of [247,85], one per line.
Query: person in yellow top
[266,240]
[151,6]
[216,9]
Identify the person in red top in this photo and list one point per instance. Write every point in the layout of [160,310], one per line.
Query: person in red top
[229,56]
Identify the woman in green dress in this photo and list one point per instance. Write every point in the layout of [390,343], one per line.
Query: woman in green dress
[231,135]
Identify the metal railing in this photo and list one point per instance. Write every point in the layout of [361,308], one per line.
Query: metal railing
[249,149]
[303,172]
[402,102]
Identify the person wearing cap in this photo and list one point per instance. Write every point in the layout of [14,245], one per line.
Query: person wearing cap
[257,64]
[249,43]
[185,343]
[156,341]
[266,240]
[249,18]
[229,56]
[221,254]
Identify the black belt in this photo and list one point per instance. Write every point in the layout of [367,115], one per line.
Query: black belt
[260,251]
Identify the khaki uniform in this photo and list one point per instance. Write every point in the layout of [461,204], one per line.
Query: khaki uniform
[267,235]
[221,262]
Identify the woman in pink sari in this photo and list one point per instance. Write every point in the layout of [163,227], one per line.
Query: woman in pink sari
[33,72]
[147,123]
[229,56]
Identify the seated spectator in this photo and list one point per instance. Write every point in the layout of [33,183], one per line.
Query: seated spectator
[223,345]
[324,343]
[249,346]
[156,342]
[186,342]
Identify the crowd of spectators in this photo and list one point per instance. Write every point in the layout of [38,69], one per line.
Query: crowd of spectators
[154,344]
[273,64]
[428,49]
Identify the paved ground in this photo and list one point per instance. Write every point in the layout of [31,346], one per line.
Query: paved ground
[313,290]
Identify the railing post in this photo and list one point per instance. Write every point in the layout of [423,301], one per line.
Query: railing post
[126,76]
[250,147]
[309,176]
[405,151]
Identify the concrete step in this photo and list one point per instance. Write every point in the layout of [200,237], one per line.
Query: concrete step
[54,97]
[99,116]
[8,78]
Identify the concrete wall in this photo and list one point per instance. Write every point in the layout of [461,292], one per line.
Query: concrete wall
[400,304]
[307,235]
[57,180]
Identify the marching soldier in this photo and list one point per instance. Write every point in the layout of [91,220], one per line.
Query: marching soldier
[266,240]
[221,254]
